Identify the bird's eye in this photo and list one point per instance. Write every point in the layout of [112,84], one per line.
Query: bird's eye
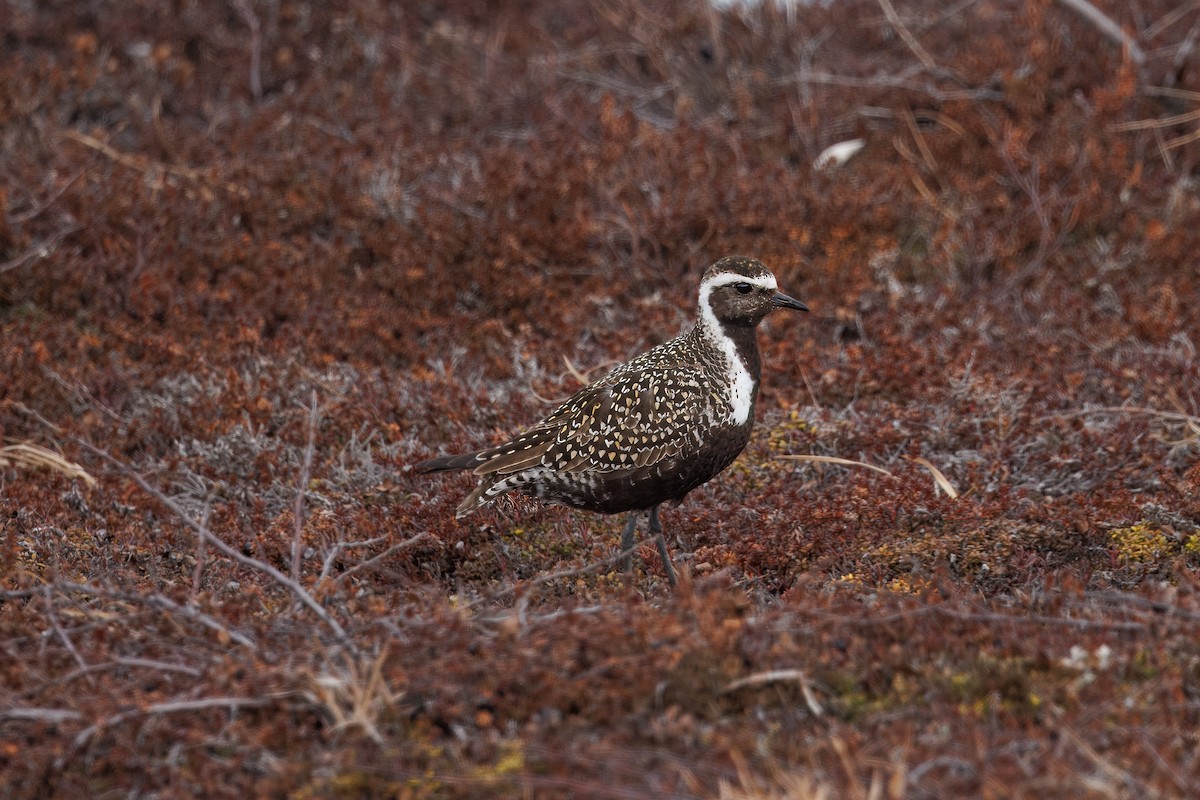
[743,287]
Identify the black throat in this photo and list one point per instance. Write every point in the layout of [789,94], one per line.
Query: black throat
[744,336]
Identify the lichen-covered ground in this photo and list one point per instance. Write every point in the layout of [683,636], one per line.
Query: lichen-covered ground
[258,257]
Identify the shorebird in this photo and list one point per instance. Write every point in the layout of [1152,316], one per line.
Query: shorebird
[651,430]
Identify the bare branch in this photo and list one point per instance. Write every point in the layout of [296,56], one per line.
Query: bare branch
[251,19]
[586,569]
[389,551]
[40,250]
[337,550]
[890,81]
[302,487]
[140,663]
[920,52]
[294,587]
[54,716]
[156,601]
[171,707]
[1105,24]
[777,676]
[41,208]
[48,593]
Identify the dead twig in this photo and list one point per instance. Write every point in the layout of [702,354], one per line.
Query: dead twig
[353,700]
[1192,421]
[292,586]
[1168,19]
[251,19]
[302,487]
[155,601]
[144,165]
[338,547]
[780,676]
[575,373]
[586,569]
[48,594]
[889,81]
[198,569]
[232,704]
[41,208]
[116,663]
[1106,26]
[52,716]
[1115,597]
[1038,619]
[1165,122]
[898,24]
[1126,783]
[988,617]
[370,562]
[40,250]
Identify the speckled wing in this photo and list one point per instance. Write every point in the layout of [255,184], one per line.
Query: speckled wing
[631,419]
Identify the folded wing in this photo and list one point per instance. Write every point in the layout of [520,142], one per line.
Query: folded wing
[626,421]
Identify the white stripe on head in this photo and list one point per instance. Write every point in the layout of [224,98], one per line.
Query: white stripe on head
[708,318]
[727,278]
[741,391]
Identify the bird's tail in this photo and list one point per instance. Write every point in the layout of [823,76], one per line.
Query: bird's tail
[483,492]
[446,463]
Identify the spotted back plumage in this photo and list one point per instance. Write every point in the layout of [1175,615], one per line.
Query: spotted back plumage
[654,428]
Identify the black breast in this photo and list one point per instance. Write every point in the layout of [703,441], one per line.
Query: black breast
[644,487]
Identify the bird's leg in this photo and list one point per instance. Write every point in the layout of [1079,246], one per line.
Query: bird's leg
[656,530]
[628,541]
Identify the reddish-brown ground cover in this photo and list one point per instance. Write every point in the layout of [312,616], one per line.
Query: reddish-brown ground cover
[213,215]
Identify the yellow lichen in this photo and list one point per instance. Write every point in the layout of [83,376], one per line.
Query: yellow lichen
[510,760]
[1141,543]
[907,585]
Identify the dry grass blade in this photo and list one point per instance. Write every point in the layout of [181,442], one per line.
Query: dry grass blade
[790,785]
[1117,782]
[1180,141]
[355,700]
[1165,122]
[777,676]
[145,165]
[575,373]
[938,478]
[835,460]
[1190,421]
[32,455]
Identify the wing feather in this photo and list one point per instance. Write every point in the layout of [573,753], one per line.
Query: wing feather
[629,420]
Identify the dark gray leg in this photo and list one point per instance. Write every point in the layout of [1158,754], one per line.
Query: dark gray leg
[628,540]
[656,529]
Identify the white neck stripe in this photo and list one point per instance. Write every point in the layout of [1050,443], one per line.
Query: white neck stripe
[741,385]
